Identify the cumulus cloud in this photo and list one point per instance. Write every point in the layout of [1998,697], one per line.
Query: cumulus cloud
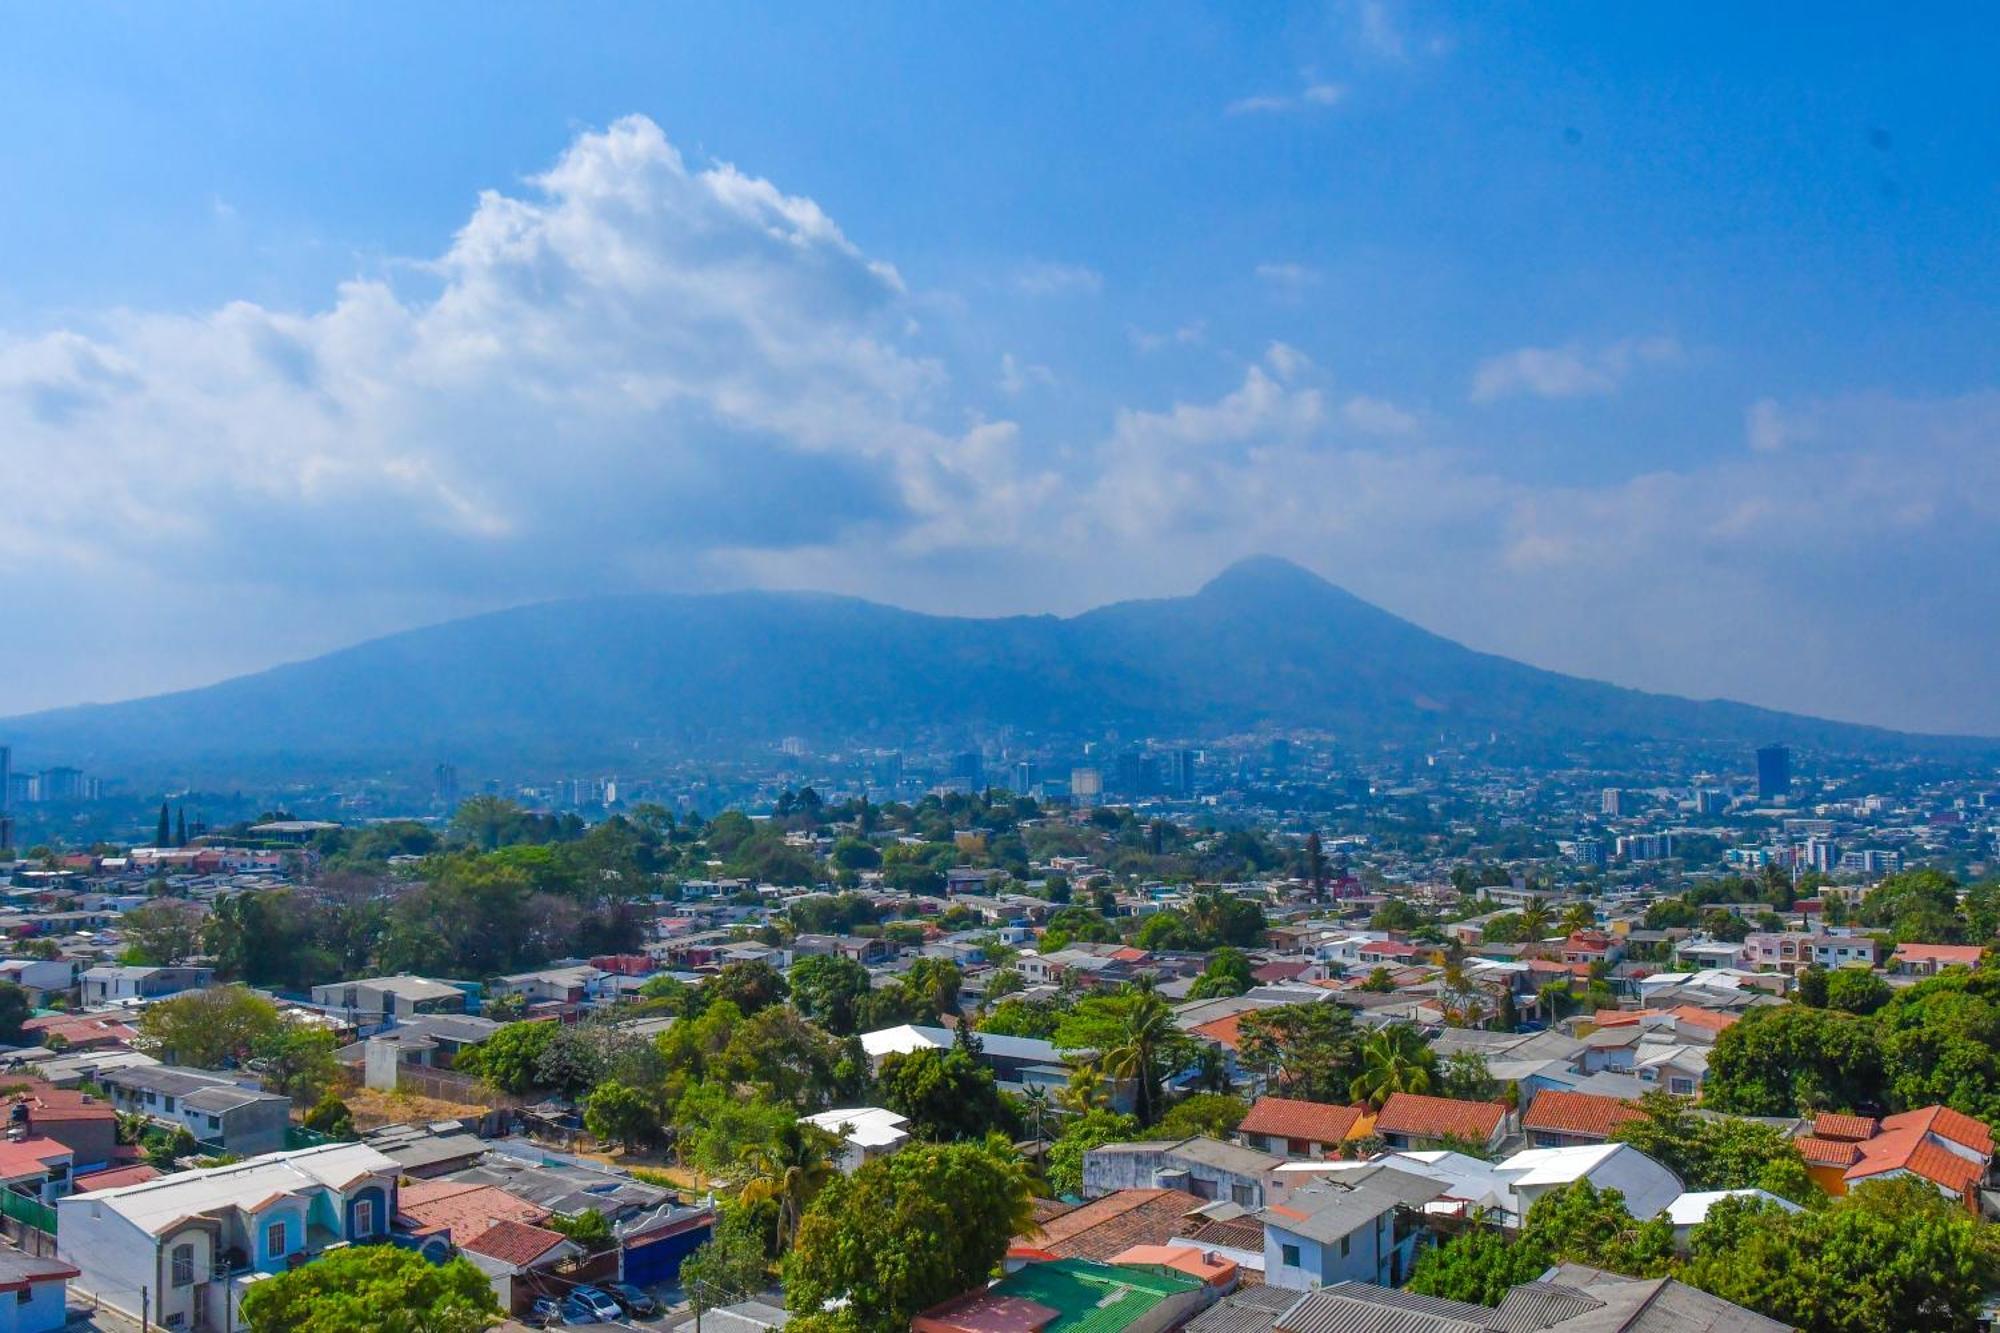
[1572,371]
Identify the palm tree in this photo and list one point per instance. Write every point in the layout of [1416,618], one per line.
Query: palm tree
[1393,1060]
[1579,917]
[1147,1032]
[1211,1069]
[792,1169]
[1036,1110]
[1086,1091]
[1535,919]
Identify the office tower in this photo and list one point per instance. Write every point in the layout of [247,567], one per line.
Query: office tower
[1086,785]
[1023,780]
[1180,773]
[969,769]
[1710,801]
[1611,802]
[1774,773]
[61,784]
[1125,777]
[445,783]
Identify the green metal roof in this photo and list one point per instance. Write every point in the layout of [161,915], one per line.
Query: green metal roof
[1094,1297]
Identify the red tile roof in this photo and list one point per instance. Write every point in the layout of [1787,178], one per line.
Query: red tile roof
[1696,1016]
[1416,1116]
[52,1104]
[1581,1114]
[1827,1152]
[1853,1128]
[30,1156]
[463,1209]
[1944,955]
[1226,1031]
[1115,1223]
[1946,1124]
[114,1177]
[514,1243]
[1289,1118]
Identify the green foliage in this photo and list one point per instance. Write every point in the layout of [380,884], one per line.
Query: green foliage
[1465,1076]
[298,1061]
[947,1096]
[331,1117]
[1396,914]
[163,933]
[1717,1152]
[829,989]
[1576,1224]
[1918,906]
[1854,991]
[14,1011]
[1215,1115]
[509,1058]
[1311,1049]
[1092,1129]
[1014,1017]
[164,1148]
[1379,982]
[1134,1038]
[615,1113]
[1785,1059]
[589,1228]
[905,1232]
[1227,974]
[715,1128]
[748,986]
[372,1289]
[209,1029]
[730,1265]
[1893,1254]
[1393,1059]
[1479,1266]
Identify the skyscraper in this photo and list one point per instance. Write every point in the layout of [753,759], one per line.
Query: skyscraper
[1774,773]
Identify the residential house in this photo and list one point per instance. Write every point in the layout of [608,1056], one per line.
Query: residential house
[86,1125]
[565,989]
[43,978]
[40,1290]
[865,1133]
[867,950]
[1207,1168]
[37,1167]
[1361,1227]
[1927,960]
[519,1260]
[1109,1225]
[1018,1063]
[1559,1118]
[1690,1210]
[1408,1120]
[187,1246]
[211,1107]
[1287,1127]
[111,984]
[373,1001]
[1591,947]
[1951,1150]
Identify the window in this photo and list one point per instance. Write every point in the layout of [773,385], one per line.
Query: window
[1289,1255]
[183,1265]
[364,1217]
[170,1104]
[1297,1147]
[274,1240]
[1244,1196]
[1343,1246]
[215,1122]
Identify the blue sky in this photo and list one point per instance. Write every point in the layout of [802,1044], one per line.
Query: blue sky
[1656,346]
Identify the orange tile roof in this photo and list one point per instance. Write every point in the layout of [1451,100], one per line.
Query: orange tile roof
[58,1105]
[1187,1259]
[1853,1128]
[1946,1124]
[1696,1016]
[514,1243]
[464,1210]
[1827,1152]
[113,1178]
[1118,1221]
[1434,1117]
[1227,1030]
[1560,1111]
[1940,1166]
[30,1156]
[1966,955]
[1290,1118]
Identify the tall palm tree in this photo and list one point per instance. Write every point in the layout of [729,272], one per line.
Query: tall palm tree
[1036,1110]
[1211,1069]
[792,1169]
[1145,1035]
[1086,1090]
[1579,917]
[1535,919]
[1393,1060]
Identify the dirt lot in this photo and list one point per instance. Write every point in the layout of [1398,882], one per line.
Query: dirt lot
[373,1108]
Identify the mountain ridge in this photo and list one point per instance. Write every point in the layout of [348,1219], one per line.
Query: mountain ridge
[1263,645]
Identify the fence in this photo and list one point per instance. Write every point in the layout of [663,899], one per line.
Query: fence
[29,1212]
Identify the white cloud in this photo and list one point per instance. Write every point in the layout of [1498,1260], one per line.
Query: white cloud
[1016,375]
[1572,371]
[1045,278]
[1768,427]
[1313,92]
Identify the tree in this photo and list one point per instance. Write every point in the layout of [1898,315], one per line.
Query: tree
[1478,1266]
[730,1265]
[1227,974]
[509,1058]
[714,1127]
[1395,914]
[1891,1254]
[748,986]
[946,1095]
[905,1232]
[165,932]
[1576,1224]
[590,1228]
[828,989]
[1379,982]
[372,1289]
[1309,1048]
[15,1010]
[1134,1038]
[1210,1114]
[1717,1152]
[1577,917]
[1535,920]
[331,1117]
[1016,1017]
[298,1061]
[1090,1129]
[1854,991]
[163,837]
[1393,1060]
[1813,989]
[1466,1077]
[1788,1060]
[209,1029]
[617,1113]
[790,1171]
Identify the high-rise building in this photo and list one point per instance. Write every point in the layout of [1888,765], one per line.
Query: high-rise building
[444,780]
[1612,802]
[1180,773]
[1022,777]
[6,777]
[61,784]
[1774,773]
[1710,801]
[1086,785]
[969,769]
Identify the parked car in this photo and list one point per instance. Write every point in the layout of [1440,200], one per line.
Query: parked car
[597,1301]
[575,1311]
[634,1301]
[546,1312]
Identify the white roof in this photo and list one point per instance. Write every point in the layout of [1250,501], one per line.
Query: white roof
[1647,1186]
[155,1204]
[1691,1209]
[863,1126]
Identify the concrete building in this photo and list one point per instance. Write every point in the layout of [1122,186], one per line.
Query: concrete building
[215,1110]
